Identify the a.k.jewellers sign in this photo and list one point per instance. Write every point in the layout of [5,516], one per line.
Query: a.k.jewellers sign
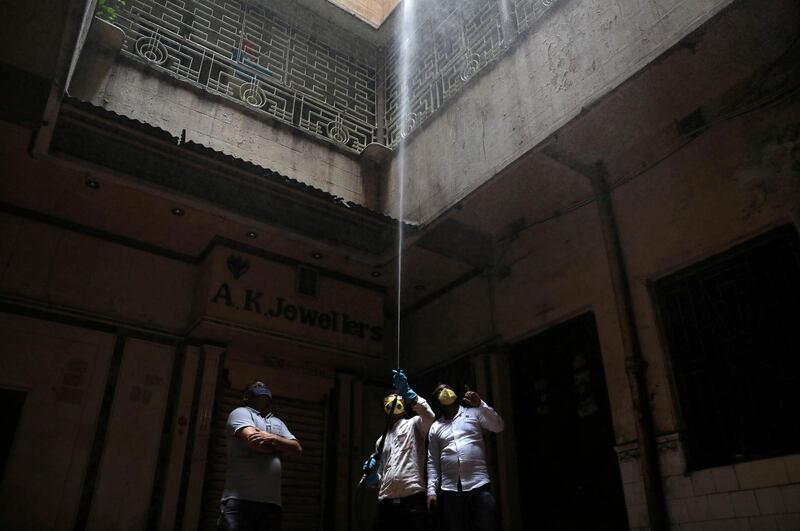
[261,293]
[251,300]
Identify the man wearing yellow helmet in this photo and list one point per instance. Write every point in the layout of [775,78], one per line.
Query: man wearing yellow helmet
[397,469]
[457,460]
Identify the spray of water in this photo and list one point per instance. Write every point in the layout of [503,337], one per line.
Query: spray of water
[505,12]
[406,56]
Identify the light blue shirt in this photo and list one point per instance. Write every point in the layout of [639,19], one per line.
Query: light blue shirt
[250,475]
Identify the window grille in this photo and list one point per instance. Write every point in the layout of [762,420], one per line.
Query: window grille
[732,327]
[284,62]
[286,66]
[452,45]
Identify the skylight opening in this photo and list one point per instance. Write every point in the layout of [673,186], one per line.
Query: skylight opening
[373,12]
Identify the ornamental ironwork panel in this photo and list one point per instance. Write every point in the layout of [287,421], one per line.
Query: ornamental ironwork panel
[450,47]
[732,327]
[527,12]
[285,62]
[454,42]
[283,65]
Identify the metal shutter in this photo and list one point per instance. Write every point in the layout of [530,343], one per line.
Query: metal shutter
[302,477]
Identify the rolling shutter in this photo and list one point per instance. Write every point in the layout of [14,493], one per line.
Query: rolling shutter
[302,476]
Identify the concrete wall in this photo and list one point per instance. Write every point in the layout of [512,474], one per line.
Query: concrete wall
[695,207]
[578,53]
[75,280]
[156,99]
[67,269]
[581,51]
[41,60]
[63,370]
[457,321]
[124,484]
[87,449]
[756,495]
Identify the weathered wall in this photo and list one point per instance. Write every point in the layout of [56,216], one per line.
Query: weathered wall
[63,371]
[558,270]
[123,488]
[457,321]
[697,206]
[87,448]
[581,51]
[147,96]
[75,271]
[17,35]
[732,183]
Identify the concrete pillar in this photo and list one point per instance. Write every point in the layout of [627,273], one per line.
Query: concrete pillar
[357,434]
[197,467]
[180,438]
[122,492]
[344,481]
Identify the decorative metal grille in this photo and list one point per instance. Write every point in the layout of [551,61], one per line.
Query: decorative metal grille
[529,11]
[278,65]
[456,41]
[732,326]
[296,68]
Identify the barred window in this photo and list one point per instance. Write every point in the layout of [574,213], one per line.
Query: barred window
[732,328]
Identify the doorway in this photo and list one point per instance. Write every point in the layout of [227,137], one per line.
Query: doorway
[568,472]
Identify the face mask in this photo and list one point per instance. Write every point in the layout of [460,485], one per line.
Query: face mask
[393,405]
[446,396]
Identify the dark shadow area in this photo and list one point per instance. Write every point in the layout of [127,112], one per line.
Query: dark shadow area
[569,476]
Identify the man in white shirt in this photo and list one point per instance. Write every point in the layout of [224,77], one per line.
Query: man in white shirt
[457,461]
[398,469]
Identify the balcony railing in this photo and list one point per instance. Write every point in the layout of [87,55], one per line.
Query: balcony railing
[263,60]
[298,70]
[457,40]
